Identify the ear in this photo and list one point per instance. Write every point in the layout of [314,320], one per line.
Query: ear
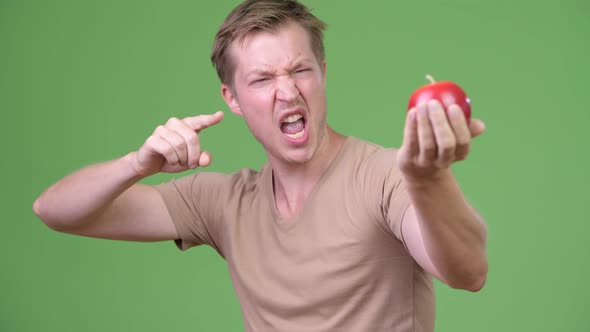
[230,99]
[324,71]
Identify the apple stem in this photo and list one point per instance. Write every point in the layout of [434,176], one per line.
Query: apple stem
[430,78]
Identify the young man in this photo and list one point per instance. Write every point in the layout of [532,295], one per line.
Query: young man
[333,233]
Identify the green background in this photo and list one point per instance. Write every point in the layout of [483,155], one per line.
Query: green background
[87,81]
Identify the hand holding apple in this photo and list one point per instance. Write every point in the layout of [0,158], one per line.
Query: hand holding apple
[446,92]
[437,133]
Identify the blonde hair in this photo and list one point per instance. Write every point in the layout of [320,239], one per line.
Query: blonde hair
[257,16]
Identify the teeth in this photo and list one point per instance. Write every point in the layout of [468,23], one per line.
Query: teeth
[292,118]
[297,135]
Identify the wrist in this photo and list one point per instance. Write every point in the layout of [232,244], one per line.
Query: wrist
[440,178]
[133,170]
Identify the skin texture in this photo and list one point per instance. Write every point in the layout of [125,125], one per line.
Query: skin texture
[277,75]
[106,201]
[442,231]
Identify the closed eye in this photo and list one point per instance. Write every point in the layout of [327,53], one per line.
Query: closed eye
[260,80]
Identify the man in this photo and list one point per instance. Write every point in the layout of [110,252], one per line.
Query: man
[333,233]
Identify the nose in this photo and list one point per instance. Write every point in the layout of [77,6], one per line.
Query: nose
[287,90]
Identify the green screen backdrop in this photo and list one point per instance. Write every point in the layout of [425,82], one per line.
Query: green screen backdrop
[88,81]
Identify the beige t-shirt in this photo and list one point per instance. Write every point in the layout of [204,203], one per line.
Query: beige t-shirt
[340,265]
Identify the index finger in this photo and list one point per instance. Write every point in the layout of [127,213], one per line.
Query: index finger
[411,133]
[200,122]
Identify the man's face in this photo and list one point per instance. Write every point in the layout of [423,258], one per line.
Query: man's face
[279,89]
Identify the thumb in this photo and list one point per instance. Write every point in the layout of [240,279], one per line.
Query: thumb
[476,127]
[205,159]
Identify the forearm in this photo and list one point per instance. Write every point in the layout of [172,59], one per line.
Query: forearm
[454,234]
[84,194]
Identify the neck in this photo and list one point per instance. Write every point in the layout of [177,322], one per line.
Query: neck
[292,183]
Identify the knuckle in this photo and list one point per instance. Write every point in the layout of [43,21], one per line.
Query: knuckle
[447,150]
[424,163]
[150,140]
[170,156]
[429,150]
[172,120]
[426,142]
[440,164]
[192,137]
[448,140]
[167,150]
[179,145]
[160,130]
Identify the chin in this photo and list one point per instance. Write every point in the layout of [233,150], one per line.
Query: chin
[299,157]
[293,155]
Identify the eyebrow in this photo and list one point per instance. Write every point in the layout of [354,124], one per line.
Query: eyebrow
[260,71]
[266,72]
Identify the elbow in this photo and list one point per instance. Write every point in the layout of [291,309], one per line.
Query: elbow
[477,284]
[37,208]
[473,281]
[41,212]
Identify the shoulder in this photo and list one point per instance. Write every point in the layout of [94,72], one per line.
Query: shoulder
[214,183]
[244,176]
[371,156]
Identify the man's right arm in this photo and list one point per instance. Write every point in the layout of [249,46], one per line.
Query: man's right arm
[106,201]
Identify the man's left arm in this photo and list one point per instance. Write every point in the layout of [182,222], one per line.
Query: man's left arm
[443,233]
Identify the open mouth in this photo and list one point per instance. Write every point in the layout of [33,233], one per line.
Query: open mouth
[293,126]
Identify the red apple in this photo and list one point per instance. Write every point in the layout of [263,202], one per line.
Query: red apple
[446,92]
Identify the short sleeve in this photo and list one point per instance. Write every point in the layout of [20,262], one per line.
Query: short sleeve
[193,202]
[384,190]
